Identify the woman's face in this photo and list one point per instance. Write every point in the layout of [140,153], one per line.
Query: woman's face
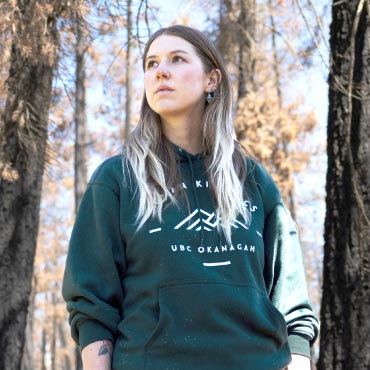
[175,80]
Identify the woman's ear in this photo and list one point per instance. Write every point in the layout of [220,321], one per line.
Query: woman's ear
[214,80]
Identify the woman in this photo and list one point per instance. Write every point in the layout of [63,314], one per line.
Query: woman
[183,256]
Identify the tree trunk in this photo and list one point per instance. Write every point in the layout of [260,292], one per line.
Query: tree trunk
[226,35]
[28,362]
[43,349]
[80,116]
[246,31]
[63,342]
[345,307]
[80,130]
[236,38]
[279,94]
[23,136]
[53,344]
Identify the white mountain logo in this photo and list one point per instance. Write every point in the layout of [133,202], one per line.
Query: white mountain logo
[200,217]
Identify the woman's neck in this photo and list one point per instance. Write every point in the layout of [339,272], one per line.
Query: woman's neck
[187,134]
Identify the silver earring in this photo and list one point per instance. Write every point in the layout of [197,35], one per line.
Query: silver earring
[210,96]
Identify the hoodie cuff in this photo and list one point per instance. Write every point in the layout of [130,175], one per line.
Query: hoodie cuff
[91,331]
[299,345]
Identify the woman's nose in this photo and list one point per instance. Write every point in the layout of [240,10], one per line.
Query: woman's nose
[162,71]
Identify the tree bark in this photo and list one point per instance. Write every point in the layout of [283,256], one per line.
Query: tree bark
[28,362]
[346,290]
[23,136]
[80,115]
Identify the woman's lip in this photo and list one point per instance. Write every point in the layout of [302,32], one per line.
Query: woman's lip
[163,89]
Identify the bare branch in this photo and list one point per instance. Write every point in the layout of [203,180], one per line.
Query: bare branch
[287,43]
[319,24]
[142,2]
[323,59]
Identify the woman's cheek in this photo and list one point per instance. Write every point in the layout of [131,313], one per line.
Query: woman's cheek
[147,82]
[188,76]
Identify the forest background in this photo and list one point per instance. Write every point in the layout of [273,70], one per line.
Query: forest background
[278,54]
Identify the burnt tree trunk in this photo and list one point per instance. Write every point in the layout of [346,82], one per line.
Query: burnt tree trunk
[23,137]
[345,308]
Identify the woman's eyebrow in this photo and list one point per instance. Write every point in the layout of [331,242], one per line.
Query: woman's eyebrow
[171,52]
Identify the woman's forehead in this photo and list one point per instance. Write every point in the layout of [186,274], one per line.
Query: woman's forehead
[166,44]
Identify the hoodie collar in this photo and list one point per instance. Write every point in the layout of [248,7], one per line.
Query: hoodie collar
[185,156]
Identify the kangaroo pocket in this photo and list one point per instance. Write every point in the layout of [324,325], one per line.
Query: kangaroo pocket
[216,325]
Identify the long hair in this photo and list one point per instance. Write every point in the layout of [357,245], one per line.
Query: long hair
[153,160]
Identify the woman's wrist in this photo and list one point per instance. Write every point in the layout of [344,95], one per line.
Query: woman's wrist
[299,362]
[97,355]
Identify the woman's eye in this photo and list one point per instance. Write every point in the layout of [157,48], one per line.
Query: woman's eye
[177,59]
[150,64]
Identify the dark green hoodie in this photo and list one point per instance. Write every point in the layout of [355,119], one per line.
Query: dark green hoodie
[175,295]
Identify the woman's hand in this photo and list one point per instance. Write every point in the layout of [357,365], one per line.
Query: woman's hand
[299,362]
[97,355]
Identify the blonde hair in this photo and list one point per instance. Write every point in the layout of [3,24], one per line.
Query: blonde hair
[153,159]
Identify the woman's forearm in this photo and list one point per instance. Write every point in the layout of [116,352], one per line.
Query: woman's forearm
[299,363]
[97,355]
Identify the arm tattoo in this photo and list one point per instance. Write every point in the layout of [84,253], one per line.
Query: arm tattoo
[105,349]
